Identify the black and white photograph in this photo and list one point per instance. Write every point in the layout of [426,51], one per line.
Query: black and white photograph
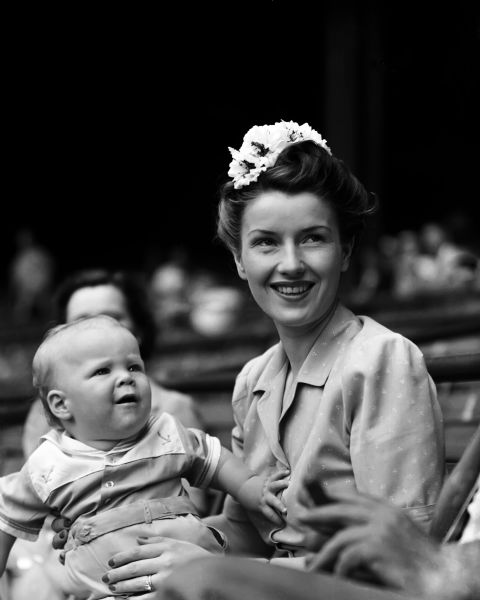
[240,301]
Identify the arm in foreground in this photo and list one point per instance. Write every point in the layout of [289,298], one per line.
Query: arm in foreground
[382,540]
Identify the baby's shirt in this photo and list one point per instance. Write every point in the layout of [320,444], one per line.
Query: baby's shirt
[68,476]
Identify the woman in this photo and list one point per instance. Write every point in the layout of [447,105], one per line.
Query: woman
[340,397]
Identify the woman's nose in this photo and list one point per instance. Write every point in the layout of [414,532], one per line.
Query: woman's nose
[291,260]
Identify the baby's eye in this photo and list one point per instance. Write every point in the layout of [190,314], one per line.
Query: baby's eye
[102,371]
[136,367]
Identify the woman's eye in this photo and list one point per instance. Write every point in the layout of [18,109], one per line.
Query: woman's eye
[312,238]
[264,242]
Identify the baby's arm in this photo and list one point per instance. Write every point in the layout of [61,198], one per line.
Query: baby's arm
[6,543]
[252,491]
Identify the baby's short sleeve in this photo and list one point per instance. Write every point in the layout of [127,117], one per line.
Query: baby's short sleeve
[203,451]
[22,513]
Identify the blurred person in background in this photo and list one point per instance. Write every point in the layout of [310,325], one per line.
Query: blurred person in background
[31,278]
[405,265]
[430,261]
[168,288]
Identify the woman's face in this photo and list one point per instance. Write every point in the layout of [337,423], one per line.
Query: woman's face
[99,300]
[292,257]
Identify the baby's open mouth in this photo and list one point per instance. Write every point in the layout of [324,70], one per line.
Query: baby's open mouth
[126,399]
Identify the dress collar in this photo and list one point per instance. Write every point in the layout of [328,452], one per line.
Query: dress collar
[319,361]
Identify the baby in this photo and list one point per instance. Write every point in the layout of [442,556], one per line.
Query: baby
[108,466]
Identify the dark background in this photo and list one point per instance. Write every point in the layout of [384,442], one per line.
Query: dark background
[117,123]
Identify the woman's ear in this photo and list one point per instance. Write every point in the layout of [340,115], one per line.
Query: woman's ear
[58,405]
[240,267]
[347,249]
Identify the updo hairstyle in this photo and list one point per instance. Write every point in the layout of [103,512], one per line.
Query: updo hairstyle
[301,167]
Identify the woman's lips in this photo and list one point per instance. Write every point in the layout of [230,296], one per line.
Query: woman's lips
[292,289]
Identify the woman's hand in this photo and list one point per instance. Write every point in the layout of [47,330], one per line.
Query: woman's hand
[150,562]
[61,527]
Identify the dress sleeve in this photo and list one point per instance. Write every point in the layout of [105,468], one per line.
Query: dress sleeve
[395,424]
[22,512]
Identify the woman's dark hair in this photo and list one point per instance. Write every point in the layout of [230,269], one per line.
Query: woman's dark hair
[301,167]
[136,298]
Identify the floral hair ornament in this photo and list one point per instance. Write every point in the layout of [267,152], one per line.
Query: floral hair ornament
[261,146]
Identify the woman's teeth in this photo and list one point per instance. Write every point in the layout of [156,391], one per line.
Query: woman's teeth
[292,290]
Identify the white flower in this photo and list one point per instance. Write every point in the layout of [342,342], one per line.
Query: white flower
[261,147]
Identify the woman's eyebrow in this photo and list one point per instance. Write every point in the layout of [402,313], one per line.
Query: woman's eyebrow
[315,227]
[259,231]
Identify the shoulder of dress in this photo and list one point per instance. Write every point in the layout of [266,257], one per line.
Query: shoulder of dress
[374,339]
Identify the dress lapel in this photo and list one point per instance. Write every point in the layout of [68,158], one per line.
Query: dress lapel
[269,407]
[314,371]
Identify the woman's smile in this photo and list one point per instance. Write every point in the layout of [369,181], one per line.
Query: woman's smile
[294,290]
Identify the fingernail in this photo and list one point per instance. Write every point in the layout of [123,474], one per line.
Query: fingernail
[111,562]
[105,579]
[111,588]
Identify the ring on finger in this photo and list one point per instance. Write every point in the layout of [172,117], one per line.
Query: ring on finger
[148,584]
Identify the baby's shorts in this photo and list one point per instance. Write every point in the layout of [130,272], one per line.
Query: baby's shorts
[92,541]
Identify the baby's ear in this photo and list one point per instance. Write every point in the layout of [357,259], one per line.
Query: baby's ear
[57,403]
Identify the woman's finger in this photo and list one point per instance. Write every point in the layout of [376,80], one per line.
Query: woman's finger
[60,523]
[137,553]
[154,539]
[134,570]
[137,585]
[59,539]
[328,556]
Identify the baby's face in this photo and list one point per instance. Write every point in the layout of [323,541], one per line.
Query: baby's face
[103,378]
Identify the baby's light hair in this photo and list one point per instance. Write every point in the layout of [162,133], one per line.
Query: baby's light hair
[44,359]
